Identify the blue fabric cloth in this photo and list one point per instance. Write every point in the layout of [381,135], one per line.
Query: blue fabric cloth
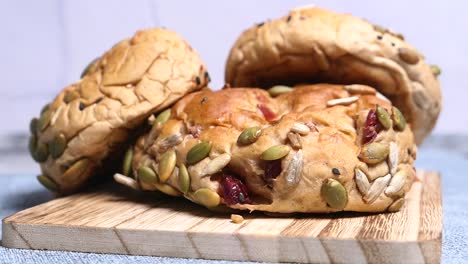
[20,191]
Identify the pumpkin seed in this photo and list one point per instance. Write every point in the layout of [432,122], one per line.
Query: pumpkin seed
[396,183]
[167,189]
[249,136]
[47,182]
[374,153]
[334,194]
[377,188]
[380,29]
[399,121]
[166,165]
[279,89]
[275,153]
[125,180]
[300,128]
[207,197]
[359,89]
[163,117]
[88,67]
[237,219]
[396,205]
[342,101]
[295,140]
[147,175]
[44,120]
[362,182]
[407,55]
[184,179]
[57,146]
[70,96]
[33,125]
[384,117]
[45,108]
[393,157]
[294,170]
[198,152]
[217,164]
[32,145]
[41,153]
[77,169]
[127,162]
[435,70]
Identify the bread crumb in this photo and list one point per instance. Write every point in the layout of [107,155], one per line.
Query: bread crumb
[237,219]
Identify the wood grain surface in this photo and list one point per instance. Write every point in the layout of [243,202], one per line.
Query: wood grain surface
[117,220]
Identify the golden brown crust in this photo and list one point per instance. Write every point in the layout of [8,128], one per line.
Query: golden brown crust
[330,135]
[94,117]
[317,45]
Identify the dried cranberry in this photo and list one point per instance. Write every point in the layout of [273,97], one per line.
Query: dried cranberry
[372,127]
[272,170]
[234,191]
[267,113]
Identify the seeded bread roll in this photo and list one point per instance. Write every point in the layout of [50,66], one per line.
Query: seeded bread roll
[313,45]
[316,148]
[89,121]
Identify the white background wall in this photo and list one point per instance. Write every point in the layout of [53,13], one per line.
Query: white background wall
[45,44]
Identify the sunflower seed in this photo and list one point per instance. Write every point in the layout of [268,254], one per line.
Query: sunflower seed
[146,175]
[249,136]
[374,153]
[217,164]
[407,55]
[399,121]
[421,100]
[184,179]
[78,170]
[359,89]
[294,170]
[300,129]
[342,101]
[377,188]
[275,153]
[41,153]
[127,162]
[125,180]
[393,157]
[237,219]
[396,184]
[362,182]
[33,125]
[384,117]
[435,70]
[279,89]
[295,140]
[207,197]
[47,182]
[396,205]
[163,117]
[57,146]
[166,165]
[167,189]
[169,142]
[334,194]
[198,152]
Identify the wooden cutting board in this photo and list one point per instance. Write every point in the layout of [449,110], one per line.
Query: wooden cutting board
[117,220]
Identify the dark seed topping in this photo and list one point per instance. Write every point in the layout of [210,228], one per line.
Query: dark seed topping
[197,80]
[288,19]
[379,37]
[81,106]
[207,76]
[260,24]
[204,100]
[336,171]
[393,44]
